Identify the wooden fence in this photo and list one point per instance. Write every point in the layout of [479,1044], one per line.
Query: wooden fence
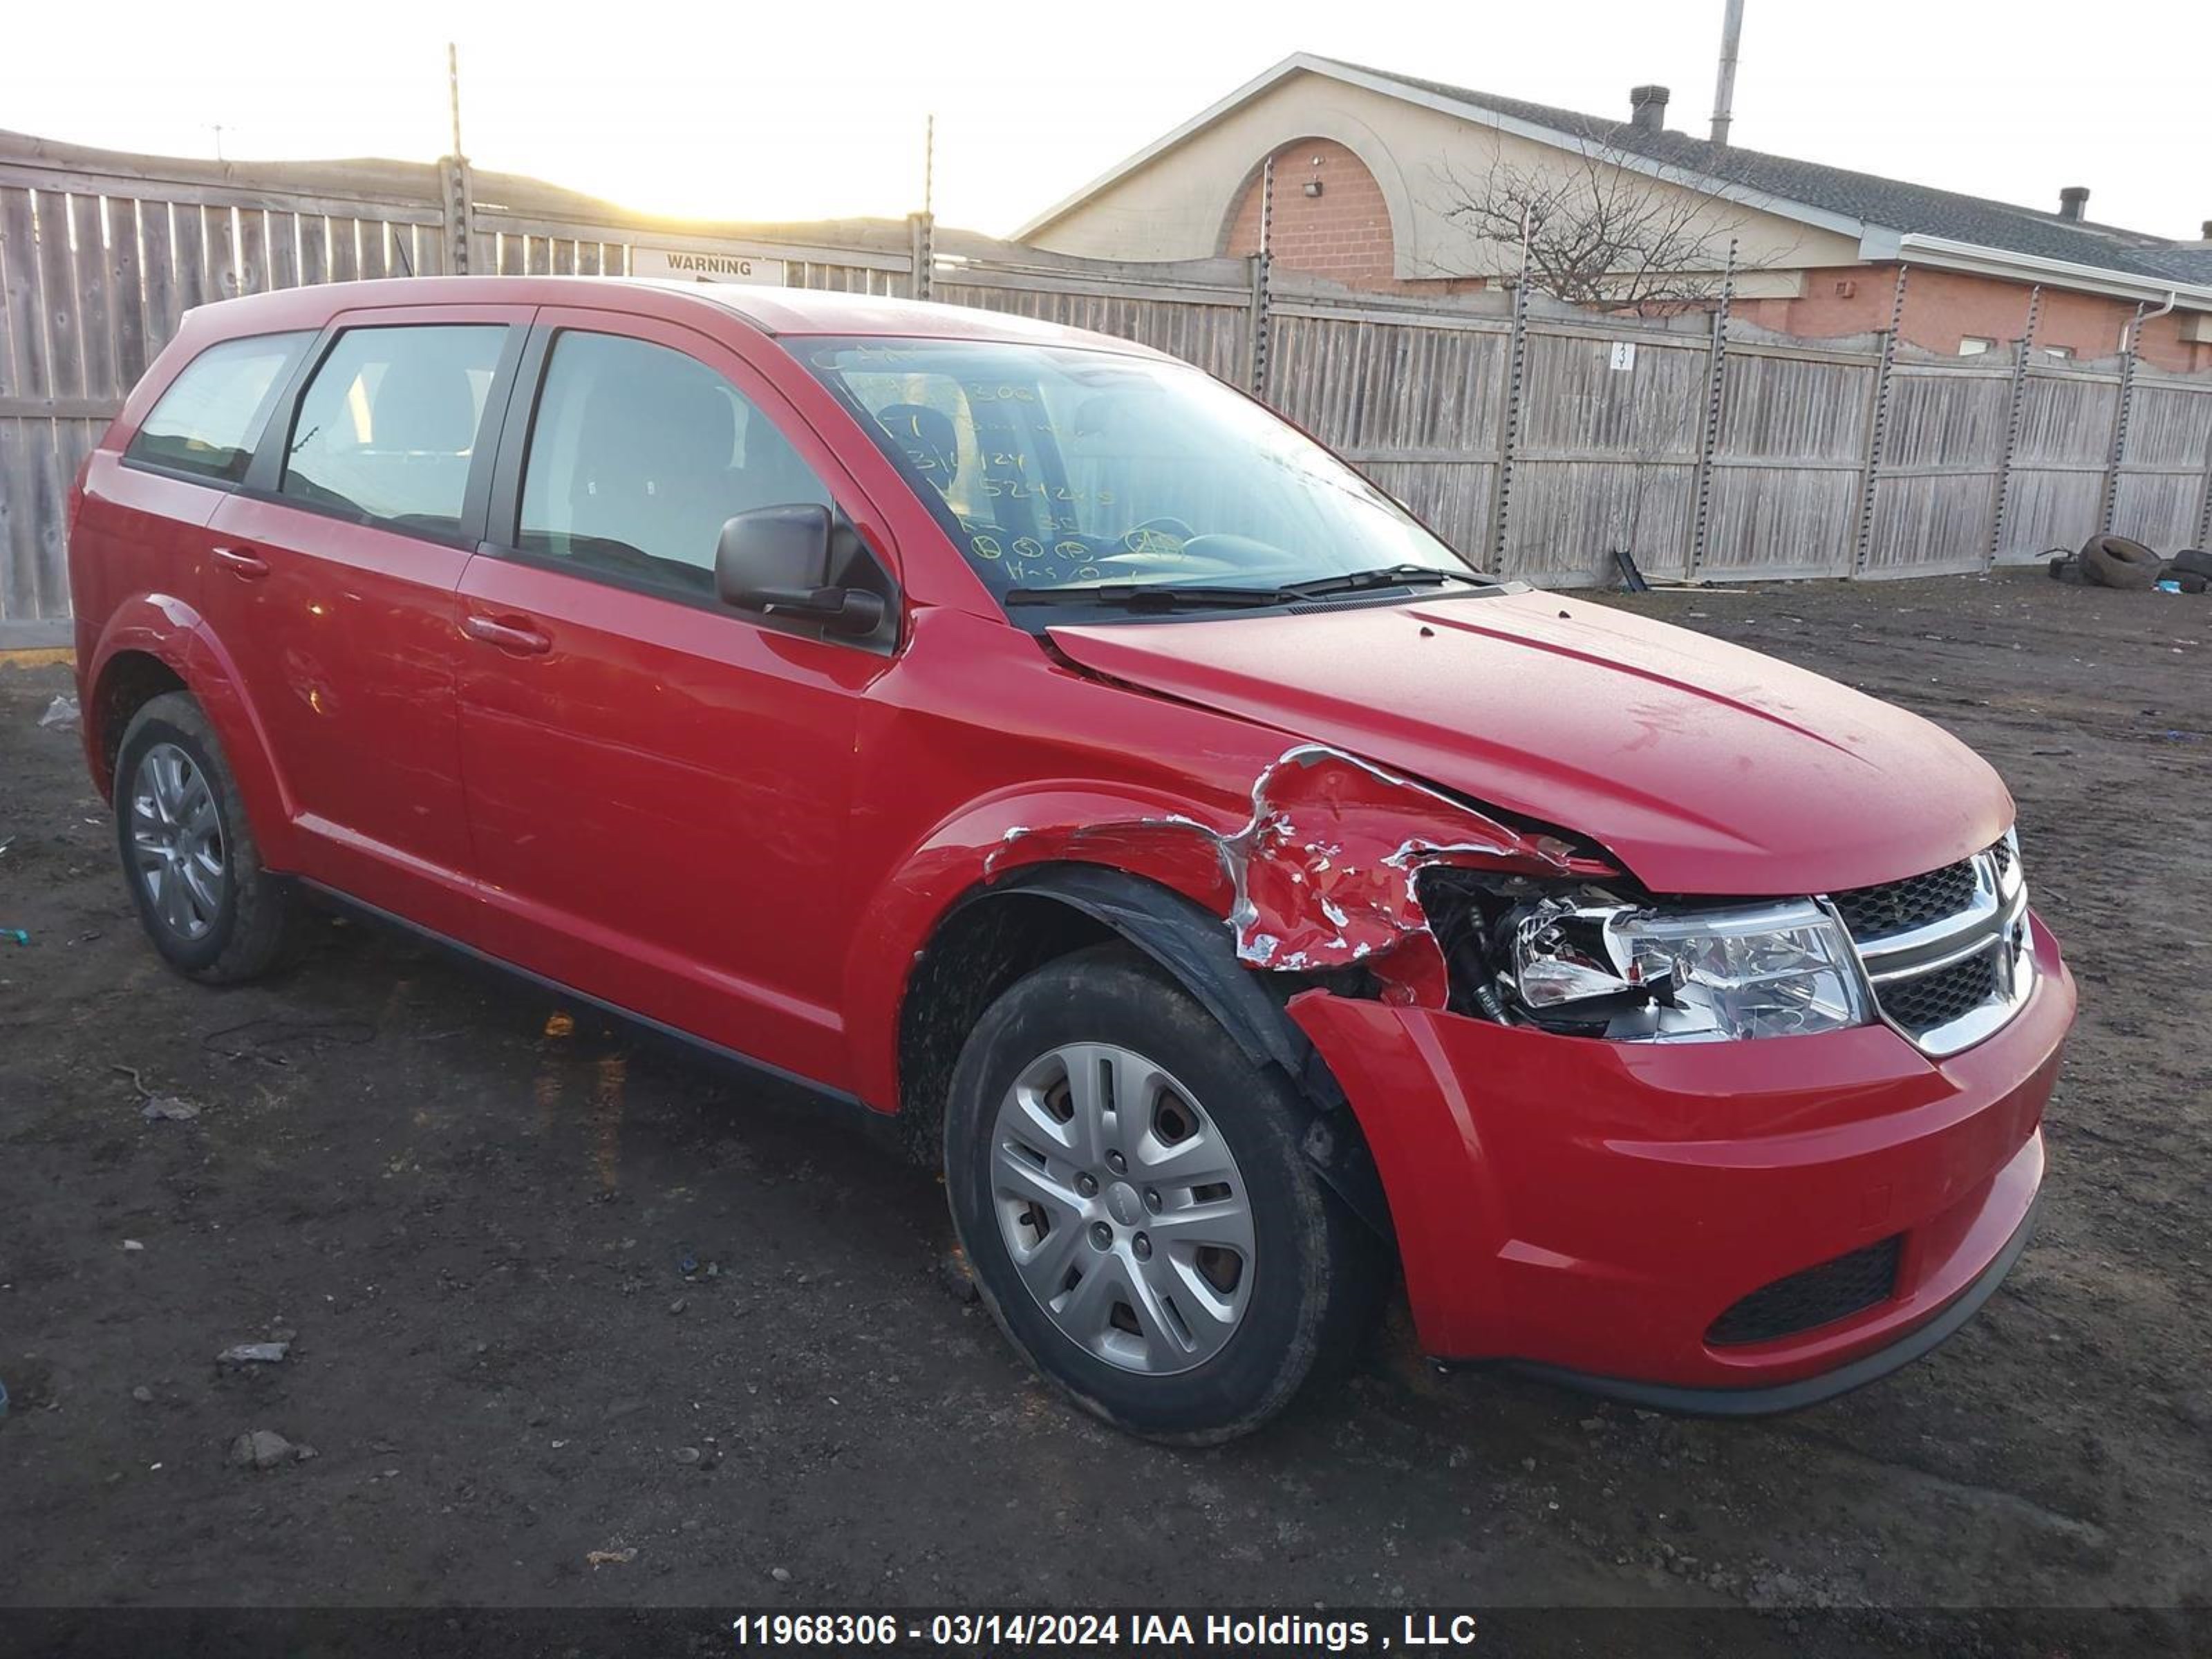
[1538,439]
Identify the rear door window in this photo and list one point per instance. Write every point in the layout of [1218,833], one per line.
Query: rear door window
[638,455]
[387,426]
[209,420]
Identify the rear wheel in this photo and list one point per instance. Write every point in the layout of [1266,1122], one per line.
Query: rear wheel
[1130,1192]
[187,851]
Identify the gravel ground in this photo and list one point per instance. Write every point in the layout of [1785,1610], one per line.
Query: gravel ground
[574,1323]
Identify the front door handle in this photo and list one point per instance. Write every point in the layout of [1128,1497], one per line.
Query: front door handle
[247,567]
[507,635]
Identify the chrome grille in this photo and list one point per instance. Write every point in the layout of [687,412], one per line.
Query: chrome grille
[1946,952]
[1872,912]
[1938,998]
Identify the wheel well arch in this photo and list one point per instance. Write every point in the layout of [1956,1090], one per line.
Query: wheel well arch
[998,932]
[128,682]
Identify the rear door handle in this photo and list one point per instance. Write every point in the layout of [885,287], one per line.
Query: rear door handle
[247,567]
[507,635]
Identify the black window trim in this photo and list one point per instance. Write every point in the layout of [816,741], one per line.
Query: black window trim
[502,522]
[265,476]
[277,400]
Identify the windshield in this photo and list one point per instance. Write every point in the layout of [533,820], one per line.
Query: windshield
[1078,476]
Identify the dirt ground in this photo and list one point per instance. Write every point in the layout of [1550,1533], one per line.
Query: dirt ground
[552,1295]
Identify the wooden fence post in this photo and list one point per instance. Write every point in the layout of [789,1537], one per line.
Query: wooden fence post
[2014,411]
[2204,506]
[922,252]
[455,200]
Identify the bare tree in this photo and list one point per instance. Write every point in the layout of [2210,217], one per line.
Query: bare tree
[1588,226]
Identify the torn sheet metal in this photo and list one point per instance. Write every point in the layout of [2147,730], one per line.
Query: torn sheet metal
[1322,876]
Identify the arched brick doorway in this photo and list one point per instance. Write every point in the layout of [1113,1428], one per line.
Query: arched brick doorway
[1331,218]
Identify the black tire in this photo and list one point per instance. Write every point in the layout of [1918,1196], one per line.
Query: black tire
[1315,1270]
[253,923]
[2117,562]
[2190,562]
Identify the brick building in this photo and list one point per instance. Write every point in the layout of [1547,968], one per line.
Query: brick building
[1369,166]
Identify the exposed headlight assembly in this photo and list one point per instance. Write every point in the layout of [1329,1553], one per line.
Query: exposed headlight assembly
[1637,974]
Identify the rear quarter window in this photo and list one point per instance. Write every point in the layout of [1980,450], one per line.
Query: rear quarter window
[209,420]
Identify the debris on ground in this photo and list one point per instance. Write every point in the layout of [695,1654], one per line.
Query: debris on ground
[621,1558]
[142,1394]
[61,711]
[264,1448]
[255,1353]
[173,1108]
[20,935]
[2118,562]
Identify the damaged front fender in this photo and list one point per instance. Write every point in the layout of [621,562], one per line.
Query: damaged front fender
[1322,875]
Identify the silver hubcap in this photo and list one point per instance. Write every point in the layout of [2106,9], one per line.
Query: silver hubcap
[176,839]
[1122,1208]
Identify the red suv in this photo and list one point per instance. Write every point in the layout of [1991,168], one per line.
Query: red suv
[1019,736]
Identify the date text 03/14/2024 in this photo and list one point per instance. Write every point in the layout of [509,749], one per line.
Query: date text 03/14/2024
[1165,1630]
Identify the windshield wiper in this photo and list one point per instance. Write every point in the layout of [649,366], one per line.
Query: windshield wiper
[1394,575]
[1151,596]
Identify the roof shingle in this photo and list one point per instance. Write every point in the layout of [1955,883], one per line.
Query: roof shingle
[1892,203]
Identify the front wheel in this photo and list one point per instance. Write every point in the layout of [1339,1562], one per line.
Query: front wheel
[1130,1192]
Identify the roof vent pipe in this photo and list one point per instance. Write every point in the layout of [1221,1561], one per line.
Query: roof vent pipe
[2072,200]
[1647,108]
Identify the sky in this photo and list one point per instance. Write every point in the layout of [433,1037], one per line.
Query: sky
[801,110]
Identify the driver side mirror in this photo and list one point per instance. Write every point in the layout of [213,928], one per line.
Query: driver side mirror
[775,559]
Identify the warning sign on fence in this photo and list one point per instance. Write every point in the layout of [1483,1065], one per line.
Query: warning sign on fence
[689,265]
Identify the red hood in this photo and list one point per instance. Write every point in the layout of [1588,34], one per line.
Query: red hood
[1706,767]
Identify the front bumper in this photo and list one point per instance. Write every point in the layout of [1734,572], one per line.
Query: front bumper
[1591,1207]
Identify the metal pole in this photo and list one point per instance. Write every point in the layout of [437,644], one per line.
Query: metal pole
[2015,409]
[454,186]
[1724,88]
[1263,273]
[1715,380]
[1509,427]
[2119,450]
[1878,427]
[453,91]
[921,228]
